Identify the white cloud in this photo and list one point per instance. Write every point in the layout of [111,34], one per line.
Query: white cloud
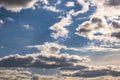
[60,27]
[70,4]
[1,22]
[98,29]
[16,6]
[51,8]
[28,27]
[52,48]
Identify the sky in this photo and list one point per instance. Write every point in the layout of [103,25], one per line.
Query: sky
[70,38]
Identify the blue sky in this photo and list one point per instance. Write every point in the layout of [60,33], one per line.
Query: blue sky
[81,30]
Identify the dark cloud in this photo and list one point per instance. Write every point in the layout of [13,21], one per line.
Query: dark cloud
[41,61]
[84,30]
[96,20]
[94,73]
[113,2]
[116,34]
[17,5]
[75,67]
[115,25]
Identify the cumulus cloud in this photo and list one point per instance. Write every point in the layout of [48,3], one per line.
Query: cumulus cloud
[1,22]
[70,4]
[60,27]
[17,5]
[52,48]
[98,29]
[27,26]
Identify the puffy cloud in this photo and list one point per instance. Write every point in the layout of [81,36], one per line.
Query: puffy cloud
[1,22]
[17,5]
[98,29]
[60,27]
[70,4]
[52,48]
[28,27]
[51,8]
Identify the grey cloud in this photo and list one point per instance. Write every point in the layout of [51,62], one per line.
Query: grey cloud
[113,2]
[116,34]
[96,20]
[115,25]
[17,5]
[41,60]
[84,30]
[75,67]
[94,73]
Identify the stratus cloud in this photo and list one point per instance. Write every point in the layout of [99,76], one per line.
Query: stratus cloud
[98,29]
[17,5]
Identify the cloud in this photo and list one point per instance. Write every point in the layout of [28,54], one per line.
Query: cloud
[41,60]
[15,74]
[1,22]
[104,8]
[113,2]
[24,74]
[16,6]
[60,27]
[70,4]
[51,8]
[99,29]
[28,27]
[10,19]
[96,73]
[49,47]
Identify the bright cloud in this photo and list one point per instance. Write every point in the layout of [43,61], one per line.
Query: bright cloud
[60,27]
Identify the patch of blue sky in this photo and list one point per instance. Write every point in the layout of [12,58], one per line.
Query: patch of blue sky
[14,37]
